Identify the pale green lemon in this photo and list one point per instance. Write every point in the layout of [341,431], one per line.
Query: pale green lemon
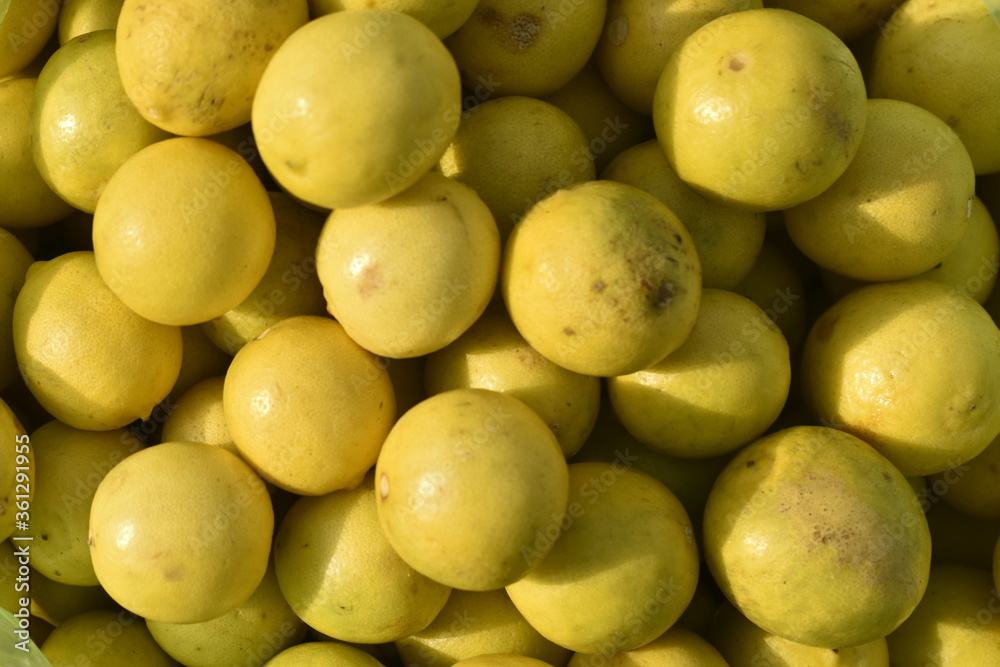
[313,138]
[974,486]
[57,602]
[850,20]
[465,482]
[78,17]
[105,637]
[25,27]
[323,654]
[817,538]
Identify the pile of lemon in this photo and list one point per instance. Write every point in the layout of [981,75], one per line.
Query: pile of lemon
[417,333]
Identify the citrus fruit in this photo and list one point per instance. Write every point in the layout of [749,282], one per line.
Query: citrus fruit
[465,482]
[56,602]
[183,231]
[198,416]
[192,67]
[15,447]
[501,660]
[443,18]
[602,278]
[817,538]
[196,553]
[78,17]
[850,20]
[25,27]
[676,647]
[974,486]
[307,407]
[911,367]
[723,387]
[14,262]
[322,654]
[91,362]
[106,637]
[761,109]
[310,134]
[623,569]
[776,286]
[373,263]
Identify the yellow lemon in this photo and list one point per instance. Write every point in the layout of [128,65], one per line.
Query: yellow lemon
[848,19]
[16,487]
[192,67]
[501,660]
[743,643]
[199,416]
[816,537]
[183,231]
[202,359]
[900,207]
[946,59]
[307,407]
[602,278]
[196,553]
[972,487]
[464,482]
[523,48]
[493,355]
[911,367]
[954,624]
[515,151]
[105,637]
[90,361]
[289,286]
[622,571]
[83,127]
[251,633]
[608,123]
[443,18]
[477,623]
[312,137]
[728,240]
[761,109]
[373,264]
[69,466]
[639,36]
[25,27]
[715,393]
[26,200]
[57,602]
[676,647]
[78,17]
[14,262]
[342,577]
[323,654]
[775,284]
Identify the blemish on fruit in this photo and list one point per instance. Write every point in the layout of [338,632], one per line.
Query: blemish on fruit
[569,331]
[663,295]
[383,486]
[737,62]
[751,463]
[599,286]
[618,30]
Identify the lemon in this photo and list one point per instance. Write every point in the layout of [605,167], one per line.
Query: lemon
[25,27]
[602,278]
[608,123]
[515,151]
[199,416]
[743,643]
[373,263]
[57,602]
[251,633]
[850,20]
[639,36]
[10,597]
[477,623]
[323,654]
[902,205]
[184,231]
[465,482]
[776,286]
[340,575]
[90,361]
[14,262]
[26,201]
[718,391]
[953,624]
[493,355]
[974,486]
[289,286]
[501,660]
[522,48]
[912,368]
[70,465]
[83,127]
[676,647]
[202,359]
[192,67]
[15,480]
[78,17]
[443,18]
[946,59]
[817,538]
[623,569]
[761,109]
[105,637]
[728,240]
[196,553]
[307,407]
[310,134]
